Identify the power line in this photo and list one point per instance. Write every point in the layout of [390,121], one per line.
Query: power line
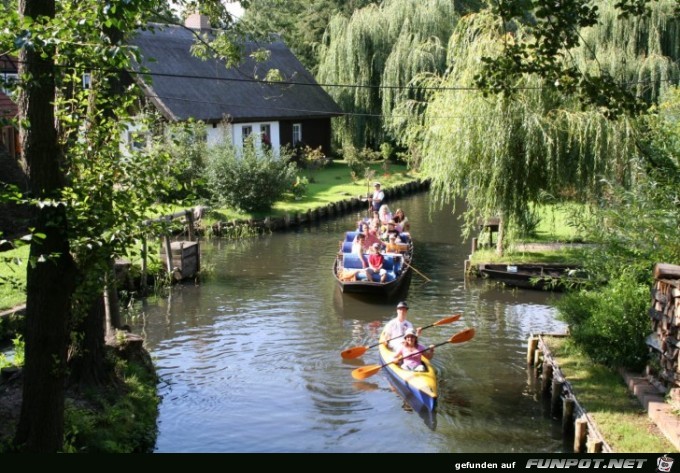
[250,79]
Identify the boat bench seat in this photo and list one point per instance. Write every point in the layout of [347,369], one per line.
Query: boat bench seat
[392,265]
[350,236]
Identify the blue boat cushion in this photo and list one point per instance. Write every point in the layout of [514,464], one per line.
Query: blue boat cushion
[346,246]
[350,236]
[392,265]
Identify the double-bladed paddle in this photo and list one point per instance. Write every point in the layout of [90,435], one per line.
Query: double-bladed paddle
[356,352]
[369,370]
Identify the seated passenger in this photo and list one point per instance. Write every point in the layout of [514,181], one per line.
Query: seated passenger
[408,355]
[391,230]
[384,214]
[359,246]
[402,222]
[375,220]
[372,238]
[392,245]
[375,264]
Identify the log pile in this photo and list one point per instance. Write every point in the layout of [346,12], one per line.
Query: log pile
[664,341]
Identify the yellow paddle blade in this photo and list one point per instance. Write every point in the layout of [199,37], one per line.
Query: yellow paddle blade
[447,320]
[365,371]
[354,352]
[463,336]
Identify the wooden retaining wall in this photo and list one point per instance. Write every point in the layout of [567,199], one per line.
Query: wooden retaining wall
[563,403]
[333,209]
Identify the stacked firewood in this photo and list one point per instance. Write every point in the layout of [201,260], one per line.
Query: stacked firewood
[664,341]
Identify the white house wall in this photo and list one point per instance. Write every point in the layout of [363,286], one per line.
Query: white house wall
[275,138]
[217,133]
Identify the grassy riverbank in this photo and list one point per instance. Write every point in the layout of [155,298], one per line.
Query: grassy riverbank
[620,418]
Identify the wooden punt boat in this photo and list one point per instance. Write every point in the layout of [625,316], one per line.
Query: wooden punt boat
[418,388]
[349,277]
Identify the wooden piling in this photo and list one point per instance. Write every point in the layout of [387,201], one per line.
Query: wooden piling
[168,254]
[189,215]
[567,416]
[538,356]
[531,349]
[556,397]
[580,434]
[594,446]
[546,380]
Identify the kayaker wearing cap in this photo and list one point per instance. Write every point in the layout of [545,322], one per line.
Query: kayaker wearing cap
[377,197]
[411,351]
[397,327]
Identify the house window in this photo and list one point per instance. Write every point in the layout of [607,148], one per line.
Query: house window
[87,80]
[266,135]
[297,133]
[246,131]
[8,81]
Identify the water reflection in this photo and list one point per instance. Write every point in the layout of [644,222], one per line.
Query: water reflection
[250,361]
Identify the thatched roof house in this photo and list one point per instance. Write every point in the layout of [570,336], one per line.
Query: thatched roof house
[235,102]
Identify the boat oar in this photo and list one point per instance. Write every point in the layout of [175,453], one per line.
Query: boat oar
[369,370]
[414,269]
[356,352]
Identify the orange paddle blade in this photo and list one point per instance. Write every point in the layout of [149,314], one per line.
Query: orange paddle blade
[463,336]
[354,352]
[365,371]
[447,320]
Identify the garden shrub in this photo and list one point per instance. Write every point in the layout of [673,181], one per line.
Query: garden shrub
[610,325]
[251,179]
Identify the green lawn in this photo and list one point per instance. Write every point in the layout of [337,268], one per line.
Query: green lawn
[332,183]
[620,418]
[13,277]
[554,226]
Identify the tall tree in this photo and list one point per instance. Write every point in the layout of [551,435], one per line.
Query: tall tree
[51,269]
[90,198]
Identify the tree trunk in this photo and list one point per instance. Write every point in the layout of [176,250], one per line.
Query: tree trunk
[51,272]
[87,366]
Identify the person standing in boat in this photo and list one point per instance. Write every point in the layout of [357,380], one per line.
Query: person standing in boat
[377,197]
[396,328]
[410,353]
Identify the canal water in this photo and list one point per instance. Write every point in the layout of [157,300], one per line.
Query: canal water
[249,359]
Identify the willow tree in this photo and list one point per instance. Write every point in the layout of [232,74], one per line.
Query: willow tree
[500,152]
[374,55]
[301,23]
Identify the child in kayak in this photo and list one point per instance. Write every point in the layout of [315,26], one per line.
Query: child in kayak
[407,353]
